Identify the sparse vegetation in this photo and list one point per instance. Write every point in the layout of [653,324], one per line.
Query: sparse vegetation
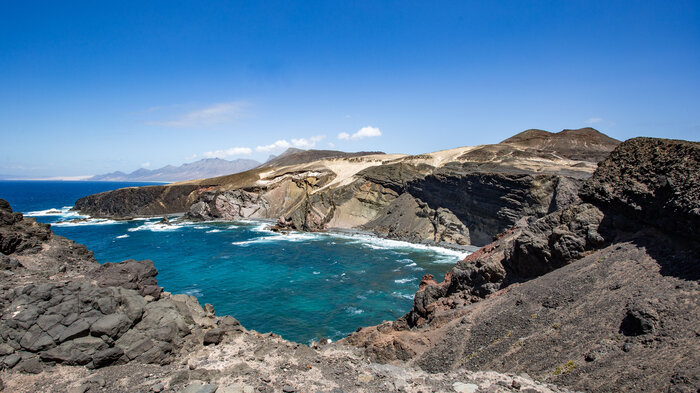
[567,368]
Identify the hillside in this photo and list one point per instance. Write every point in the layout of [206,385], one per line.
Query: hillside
[599,296]
[294,156]
[460,196]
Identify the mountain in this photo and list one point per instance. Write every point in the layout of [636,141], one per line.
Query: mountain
[581,144]
[208,167]
[294,156]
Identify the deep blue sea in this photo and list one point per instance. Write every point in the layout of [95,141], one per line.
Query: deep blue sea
[302,286]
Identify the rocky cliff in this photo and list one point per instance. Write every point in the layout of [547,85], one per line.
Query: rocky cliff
[601,295]
[69,324]
[462,196]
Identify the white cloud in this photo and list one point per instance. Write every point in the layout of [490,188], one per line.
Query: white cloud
[280,144]
[301,143]
[192,157]
[594,120]
[145,164]
[331,145]
[224,112]
[364,132]
[304,143]
[234,151]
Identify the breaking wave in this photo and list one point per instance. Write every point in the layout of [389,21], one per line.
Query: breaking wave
[85,222]
[156,227]
[65,211]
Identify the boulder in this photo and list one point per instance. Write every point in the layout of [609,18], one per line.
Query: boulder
[112,325]
[213,336]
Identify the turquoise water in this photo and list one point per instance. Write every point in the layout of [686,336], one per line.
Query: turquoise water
[302,286]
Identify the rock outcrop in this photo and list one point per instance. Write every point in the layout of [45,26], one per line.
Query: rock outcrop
[132,202]
[601,295]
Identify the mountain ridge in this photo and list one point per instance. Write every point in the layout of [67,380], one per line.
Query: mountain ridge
[204,168]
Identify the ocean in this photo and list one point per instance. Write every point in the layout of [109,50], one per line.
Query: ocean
[302,286]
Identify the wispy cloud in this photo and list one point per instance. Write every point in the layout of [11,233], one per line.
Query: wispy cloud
[595,120]
[224,112]
[364,132]
[301,143]
[146,164]
[234,151]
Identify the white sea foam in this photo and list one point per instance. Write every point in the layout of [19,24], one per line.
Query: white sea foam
[279,237]
[200,227]
[196,292]
[214,231]
[245,242]
[405,280]
[264,227]
[122,236]
[378,243]
[408,296]
[354,310]
[156,227]
[232,227]
[447,255]
[90,221]
[62,212]
[317,272]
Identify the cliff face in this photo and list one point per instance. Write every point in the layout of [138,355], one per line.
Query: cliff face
[70,324]
[139,201]
[459,196]
[601,295]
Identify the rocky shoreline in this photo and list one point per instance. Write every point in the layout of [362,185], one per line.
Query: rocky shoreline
[462,196]
[70,324]
[601,294]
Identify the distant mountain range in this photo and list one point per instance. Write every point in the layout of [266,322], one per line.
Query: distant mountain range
[208,167]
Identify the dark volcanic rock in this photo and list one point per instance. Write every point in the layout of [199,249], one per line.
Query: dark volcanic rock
[20,234]
[139,201]
[213,336]
[130,274]
[654,181]
[599,296]
[489,203]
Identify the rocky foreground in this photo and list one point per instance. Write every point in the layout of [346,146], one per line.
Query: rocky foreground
[69,324]
[599,294]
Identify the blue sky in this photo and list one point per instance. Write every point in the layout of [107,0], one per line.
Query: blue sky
[91,87]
